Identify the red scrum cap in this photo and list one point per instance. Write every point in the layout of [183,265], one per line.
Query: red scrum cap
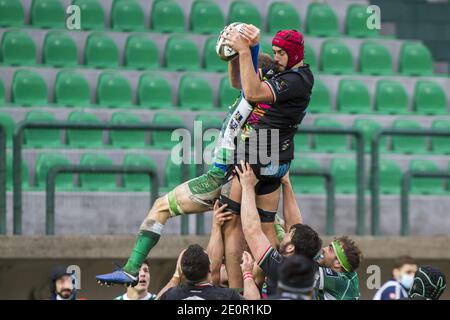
[292,42]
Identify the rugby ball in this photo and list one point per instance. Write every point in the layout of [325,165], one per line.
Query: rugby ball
[223,51]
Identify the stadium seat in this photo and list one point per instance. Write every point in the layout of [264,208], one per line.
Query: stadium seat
[353,97]
[390,176]
[415,59]
[167,16]
[72,89]
[425,185]
[181,54]
[301,142]
[195,93]
[209,121]
[335,58]
[7,122]
[441,145]
[344,173]
[141,53]
[113,91]
[11,13]
[282,16]
[227,94]
[84,138]
[244,11]
[310,57]
[127,15]
[174,174]
[368,128]
[29,89]
[320,99]
[137,182]
[321,21]
[266,47]
[47,161]
[356,22]
[429,98]
[2,93]
[18,48]
[96,181]
[375,59]
[154,92]
[41,138]
[405,144]
[329,142]
[126,139]
[59,50]
[48,14]
[162,139]
[391,97]
[206,17]
[306,184]
[9,173]
[211,59]
[101,51]
[91,11]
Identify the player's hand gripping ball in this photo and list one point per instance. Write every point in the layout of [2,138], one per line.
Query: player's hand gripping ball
[225,52]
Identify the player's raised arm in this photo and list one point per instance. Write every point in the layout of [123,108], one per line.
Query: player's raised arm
[291,210]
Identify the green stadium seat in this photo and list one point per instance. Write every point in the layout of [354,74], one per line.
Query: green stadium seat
[391,97]
[244,11]
[336,58]
[306,184]
[141,53]
[72,89]
[441,145]
[8,123]
[195,93]
[321,21]
[154,92]
[209,121]
[206,17]
[181,54]
[167,16]
[137,182]
[390,176]
[425,186]
[375,59]
[405,144]
[92,15]
[329,142]
[2,93]
[227,94]
[356,22]
[368,128]
[344,174]
[162,139]
[47,161]
[113,91]
[48,14]
[97,181]
[101,51]
[212,60]
[11,13]
[126,139]
[127,15]
[415,59]
[429,98]
[266,47]
[18,48]
[353,97]
[282,16]
[174,173]
[41,138]
[310,57]
[320,99]
[29,89]
[84,138]
[301,142]
[9,173]
[59,50]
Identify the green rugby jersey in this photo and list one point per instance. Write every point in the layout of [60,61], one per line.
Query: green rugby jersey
[334,285]
[149,296]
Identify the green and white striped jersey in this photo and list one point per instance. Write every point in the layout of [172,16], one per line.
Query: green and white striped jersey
[334,285]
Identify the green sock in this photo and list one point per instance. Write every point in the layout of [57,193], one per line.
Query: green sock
[145,241]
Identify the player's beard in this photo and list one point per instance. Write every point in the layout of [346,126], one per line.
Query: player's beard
[65,293]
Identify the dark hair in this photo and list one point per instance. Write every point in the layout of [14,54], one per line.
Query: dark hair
[306,241]
[402,260]
[195,263]
[264,60]
[297,272]
[352,252]
[429,283]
